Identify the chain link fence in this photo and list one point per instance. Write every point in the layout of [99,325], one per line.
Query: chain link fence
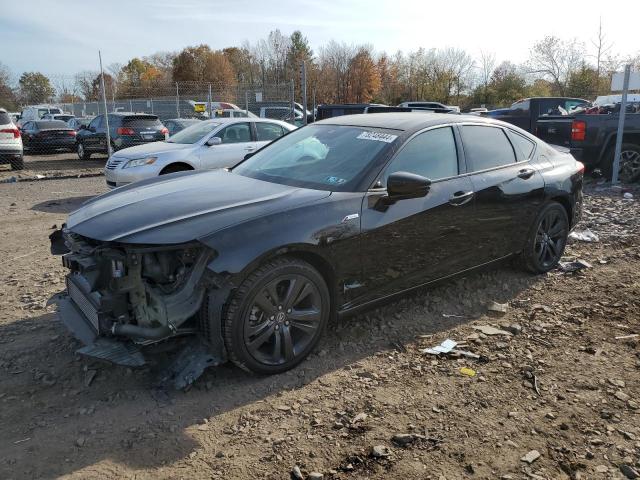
[51,134]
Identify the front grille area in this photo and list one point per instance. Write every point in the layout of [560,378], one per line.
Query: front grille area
[113,163]
[83,303]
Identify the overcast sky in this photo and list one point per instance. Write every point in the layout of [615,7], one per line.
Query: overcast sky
[61,37]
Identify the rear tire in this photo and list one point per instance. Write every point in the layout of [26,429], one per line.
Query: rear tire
[629,171]
[17,163]
[82,153]
[546,239]
[276,317]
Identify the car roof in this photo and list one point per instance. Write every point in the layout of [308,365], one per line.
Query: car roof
[132,114]
[406,121]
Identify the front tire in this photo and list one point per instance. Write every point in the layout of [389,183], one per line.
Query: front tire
[82,153]
[547,239]
[276,317]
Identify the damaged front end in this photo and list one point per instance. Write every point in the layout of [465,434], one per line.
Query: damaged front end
[121,298]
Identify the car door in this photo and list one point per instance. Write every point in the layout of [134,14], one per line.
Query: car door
[416,240]
[237,141]
[26,131]
[509,190]
[267,132]
[90,134]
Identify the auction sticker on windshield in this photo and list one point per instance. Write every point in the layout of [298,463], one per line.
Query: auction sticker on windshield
[377,136]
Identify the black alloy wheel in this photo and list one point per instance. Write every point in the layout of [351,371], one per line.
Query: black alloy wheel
[548,239]
[277,316]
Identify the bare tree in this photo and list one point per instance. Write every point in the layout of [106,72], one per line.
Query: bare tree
[556,59]
[487,66]
[602,48]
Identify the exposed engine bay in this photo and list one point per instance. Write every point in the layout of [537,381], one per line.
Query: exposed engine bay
[122,297]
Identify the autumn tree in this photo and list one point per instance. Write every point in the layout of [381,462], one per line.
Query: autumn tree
[35,88]
[363,77]
[201,64]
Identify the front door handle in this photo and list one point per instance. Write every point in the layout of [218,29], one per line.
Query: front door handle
[460,198]
[526,173]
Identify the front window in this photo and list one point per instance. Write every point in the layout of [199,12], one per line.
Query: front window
[236,133]
[323,157]
[194,133]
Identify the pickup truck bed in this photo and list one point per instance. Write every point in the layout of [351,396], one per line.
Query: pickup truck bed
[591,140]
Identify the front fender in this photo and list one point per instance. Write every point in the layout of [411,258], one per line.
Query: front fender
[328,228]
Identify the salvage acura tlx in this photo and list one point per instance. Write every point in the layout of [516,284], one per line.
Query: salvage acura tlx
[251,263]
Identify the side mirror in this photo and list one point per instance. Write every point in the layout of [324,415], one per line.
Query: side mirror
[402,185]
[214,141]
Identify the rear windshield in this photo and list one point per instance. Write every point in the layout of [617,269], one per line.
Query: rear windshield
[4,118]
[64,118]
[52,124]
[142,122]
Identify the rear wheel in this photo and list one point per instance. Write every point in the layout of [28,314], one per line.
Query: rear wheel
[277,316]
[82,153]
[17,163]
[547,239]
[629,170]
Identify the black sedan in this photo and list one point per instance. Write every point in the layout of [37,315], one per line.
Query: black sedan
[47,135]
[331,218]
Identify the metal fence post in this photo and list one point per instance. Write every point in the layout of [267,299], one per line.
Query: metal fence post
[151,102]
[304,93]
[623,112]
[209,103]
[104,100]
[246,102]
[293,110]
[177,100]
[313,112]
[130,105]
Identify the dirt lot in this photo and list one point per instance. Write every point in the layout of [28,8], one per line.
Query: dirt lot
[559,381]
[54,165]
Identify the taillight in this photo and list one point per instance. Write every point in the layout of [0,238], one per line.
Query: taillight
[72,133]
[15,131]
[125,131]
[578,130]
[164,131]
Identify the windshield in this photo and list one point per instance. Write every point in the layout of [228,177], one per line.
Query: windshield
[194,133]
[51,124]
[323,157]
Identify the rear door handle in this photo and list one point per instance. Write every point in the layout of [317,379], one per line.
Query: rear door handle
[460,198]
[250,149]
[526,173]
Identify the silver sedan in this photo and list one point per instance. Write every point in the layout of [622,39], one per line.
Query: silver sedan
[210,144]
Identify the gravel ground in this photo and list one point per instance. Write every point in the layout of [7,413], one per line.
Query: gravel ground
[554,393]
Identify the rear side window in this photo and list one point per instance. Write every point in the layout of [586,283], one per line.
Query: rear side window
[4,118]
[523,146]
[486,147]
[431,154]
[95,123]
[236,133]
[268,131]
[141,122]
[522,106]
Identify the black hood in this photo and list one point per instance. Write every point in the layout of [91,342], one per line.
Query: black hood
[183,207]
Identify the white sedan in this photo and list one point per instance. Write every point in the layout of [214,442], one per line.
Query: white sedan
[210,144]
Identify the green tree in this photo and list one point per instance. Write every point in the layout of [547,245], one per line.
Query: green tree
[299,51]
[35,88]
[583,82]
[8,98]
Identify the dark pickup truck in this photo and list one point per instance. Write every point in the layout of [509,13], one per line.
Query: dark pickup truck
[592,138]
[525,113]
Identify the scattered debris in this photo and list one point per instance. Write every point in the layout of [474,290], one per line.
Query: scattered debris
[576,265]
[498,307]
[531,456]
[629,472]
[626,337]
[380,451]
[469,372]
[444,347]
[489,330]
[585,235]
[296,473]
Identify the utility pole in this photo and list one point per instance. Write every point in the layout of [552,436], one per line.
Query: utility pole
[623,112]
[104,101]
[304,92]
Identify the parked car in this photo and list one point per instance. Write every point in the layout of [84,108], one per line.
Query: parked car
[65,117]
[422,105]
[79,122]
[126,130]
[15,117]
[10,142]
[330,219]
[233,113]
[44,136]
[36,112]
[524,113]
[592,138]
[280,111]
[174,125]
[209,144]
[336,110]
